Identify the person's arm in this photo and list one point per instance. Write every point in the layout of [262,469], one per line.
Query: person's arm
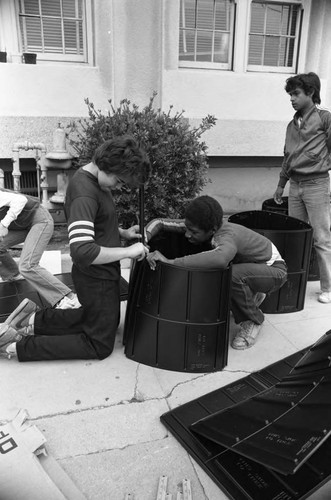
[278,194]
[157,256]
[107,255]
[84,250]
[283,178]
[218,258]
[327,124]
[15,203]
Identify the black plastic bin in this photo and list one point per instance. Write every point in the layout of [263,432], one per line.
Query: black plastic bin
[293,238]
[178,318]
[271,206]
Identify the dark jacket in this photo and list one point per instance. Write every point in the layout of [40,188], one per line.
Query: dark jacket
[306,151]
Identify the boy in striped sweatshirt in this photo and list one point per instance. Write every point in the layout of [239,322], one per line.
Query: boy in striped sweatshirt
[96,251]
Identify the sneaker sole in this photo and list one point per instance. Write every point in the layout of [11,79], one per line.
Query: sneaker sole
[16,311]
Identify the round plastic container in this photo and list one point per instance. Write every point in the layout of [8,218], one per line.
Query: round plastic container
[178,318]
[293,238]
[271,206]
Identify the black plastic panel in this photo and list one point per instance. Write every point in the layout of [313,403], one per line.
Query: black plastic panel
[271,206]
[178,318]
[293,238]
[284,425]
[242,478]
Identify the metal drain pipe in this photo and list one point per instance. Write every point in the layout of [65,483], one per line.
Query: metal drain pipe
[40,166]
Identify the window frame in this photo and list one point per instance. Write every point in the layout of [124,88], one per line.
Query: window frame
[298,37]
[212,65]
[84,58]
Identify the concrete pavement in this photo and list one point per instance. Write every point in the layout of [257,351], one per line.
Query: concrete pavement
[101,419]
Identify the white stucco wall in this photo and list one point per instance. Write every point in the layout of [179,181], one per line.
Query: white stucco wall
[49,90]
[251,110]
[35,98]
[241,189]
[135,52]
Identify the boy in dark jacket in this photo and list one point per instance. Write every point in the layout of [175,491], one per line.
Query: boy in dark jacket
[306,165]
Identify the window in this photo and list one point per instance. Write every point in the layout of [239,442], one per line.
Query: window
[206,33]
[55,29]
[273,36]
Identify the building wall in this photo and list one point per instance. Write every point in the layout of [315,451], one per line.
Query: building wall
[35,98]
[135,52]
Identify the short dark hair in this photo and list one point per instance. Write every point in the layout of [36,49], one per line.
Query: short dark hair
[308,82]
[123,156]
[204,212]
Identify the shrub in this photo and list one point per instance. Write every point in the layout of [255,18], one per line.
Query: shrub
[177,155]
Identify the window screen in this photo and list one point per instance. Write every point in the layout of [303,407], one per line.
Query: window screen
[52,27]
[206,30]
[273,34]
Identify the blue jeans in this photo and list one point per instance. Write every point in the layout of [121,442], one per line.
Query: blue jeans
[35,241]
[248,279]
[310,201]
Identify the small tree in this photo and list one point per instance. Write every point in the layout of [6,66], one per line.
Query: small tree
[178,157]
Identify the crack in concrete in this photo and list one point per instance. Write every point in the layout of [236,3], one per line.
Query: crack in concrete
[193,463]
[136,399]
[105,450]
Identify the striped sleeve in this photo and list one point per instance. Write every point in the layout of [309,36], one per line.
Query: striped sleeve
[81,231]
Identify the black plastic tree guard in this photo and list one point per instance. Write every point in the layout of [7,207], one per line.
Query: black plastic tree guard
[293,238]
[243,478]
[271,206]
[177,318]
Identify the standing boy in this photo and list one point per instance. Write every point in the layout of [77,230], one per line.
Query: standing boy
[95,248]
[306,165]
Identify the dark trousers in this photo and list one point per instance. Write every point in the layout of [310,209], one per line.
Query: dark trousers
[84,333]
[247,279]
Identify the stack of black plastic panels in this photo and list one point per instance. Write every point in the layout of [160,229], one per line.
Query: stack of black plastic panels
[266,436]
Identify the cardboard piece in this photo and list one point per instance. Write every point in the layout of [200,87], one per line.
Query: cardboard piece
[51,260]
[27,471]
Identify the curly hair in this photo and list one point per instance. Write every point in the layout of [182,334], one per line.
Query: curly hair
[123,156]
[205,213]
[308,82]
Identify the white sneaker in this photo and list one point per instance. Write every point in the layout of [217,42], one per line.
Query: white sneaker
[324,297]
[247,335]
[68,303]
